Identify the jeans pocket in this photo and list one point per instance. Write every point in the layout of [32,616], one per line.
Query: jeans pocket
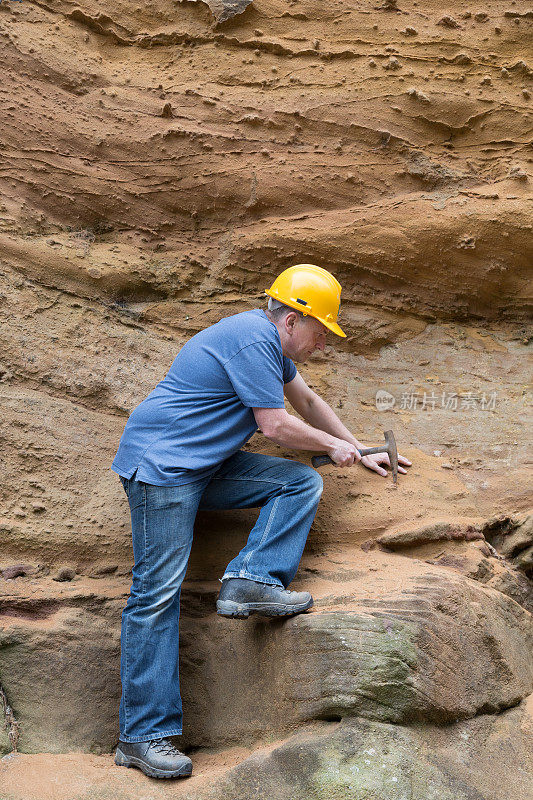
[125,485]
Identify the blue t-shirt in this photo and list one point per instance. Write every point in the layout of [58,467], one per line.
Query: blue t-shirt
[201,412]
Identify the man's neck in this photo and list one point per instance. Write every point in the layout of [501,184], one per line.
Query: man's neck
[280,330]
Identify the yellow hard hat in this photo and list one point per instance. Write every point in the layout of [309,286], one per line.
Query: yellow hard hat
[312,290]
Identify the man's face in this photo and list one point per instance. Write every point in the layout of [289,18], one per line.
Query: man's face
[304,336]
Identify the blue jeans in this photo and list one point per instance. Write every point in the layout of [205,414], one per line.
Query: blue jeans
[162,519]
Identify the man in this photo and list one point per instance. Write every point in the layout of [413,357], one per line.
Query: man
[181,451]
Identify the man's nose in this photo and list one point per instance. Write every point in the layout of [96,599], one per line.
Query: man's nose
[321,344]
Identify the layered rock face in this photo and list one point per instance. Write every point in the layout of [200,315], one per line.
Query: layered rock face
[159,165]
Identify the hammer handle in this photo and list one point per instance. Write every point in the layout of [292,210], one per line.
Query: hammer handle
[319,461]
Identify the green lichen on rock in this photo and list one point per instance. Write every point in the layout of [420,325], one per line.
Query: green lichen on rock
[364,760]
[362,664]
[382,763]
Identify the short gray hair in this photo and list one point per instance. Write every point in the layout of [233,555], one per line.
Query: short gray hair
[278,309]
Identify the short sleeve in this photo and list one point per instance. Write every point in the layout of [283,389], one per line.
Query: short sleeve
[289,370]
[256,373]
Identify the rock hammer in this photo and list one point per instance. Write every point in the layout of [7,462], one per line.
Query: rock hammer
[389,448]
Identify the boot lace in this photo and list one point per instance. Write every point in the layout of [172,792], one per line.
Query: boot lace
[165,747]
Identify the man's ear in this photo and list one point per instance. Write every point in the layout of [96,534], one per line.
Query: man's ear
[290,322]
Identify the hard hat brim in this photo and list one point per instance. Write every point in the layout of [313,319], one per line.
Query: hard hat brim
[334,328]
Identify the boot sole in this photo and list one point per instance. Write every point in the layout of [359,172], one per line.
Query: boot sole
[122,760]
[228,608]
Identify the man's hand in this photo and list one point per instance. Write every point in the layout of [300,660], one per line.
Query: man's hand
[343,454]
[373,462]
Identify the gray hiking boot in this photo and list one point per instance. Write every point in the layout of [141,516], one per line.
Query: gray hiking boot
[240,597]
[157,758]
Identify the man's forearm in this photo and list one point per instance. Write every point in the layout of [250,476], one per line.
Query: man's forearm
[293,432]
[320,415]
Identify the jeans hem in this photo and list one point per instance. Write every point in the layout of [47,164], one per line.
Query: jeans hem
[144,737]
[250,577]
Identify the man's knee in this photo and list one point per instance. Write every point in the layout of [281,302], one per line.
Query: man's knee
[310,480]
[154,602]
[316,481]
